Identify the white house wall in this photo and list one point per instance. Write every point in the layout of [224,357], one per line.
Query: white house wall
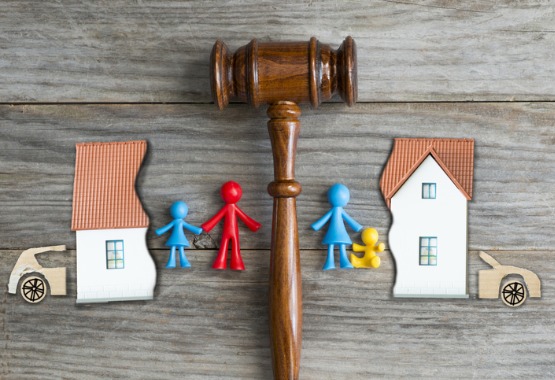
[444,217]
[96,283]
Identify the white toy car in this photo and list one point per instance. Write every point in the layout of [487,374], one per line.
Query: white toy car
[33,280]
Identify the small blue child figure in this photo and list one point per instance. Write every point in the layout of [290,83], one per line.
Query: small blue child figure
[338,196]
[177,239]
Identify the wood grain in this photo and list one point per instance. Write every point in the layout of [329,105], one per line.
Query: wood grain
[158,51]
[193,149]
[283,74]
[270,72]
[285,295]
[206,324]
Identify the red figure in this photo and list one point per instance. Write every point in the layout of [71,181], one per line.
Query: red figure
[231,192]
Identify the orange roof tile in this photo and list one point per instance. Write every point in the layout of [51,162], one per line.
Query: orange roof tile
[455,156]
[104,194]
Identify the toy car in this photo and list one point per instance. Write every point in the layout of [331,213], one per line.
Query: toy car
[33,280]
[513,291]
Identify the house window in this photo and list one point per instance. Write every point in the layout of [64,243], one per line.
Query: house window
[428,191]
[428,250]
[114,254]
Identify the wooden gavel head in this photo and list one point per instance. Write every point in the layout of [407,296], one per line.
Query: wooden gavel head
[268,72]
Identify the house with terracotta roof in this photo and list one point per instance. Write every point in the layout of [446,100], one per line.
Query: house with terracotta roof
[113,261]
[427,184]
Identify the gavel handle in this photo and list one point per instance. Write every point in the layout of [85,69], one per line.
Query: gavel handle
[285,269]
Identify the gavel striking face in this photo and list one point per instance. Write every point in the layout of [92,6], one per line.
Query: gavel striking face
[282,74]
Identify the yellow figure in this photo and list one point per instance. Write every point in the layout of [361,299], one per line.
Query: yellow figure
[370,259]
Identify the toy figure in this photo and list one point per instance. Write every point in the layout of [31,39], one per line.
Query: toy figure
[370,259]
[338,196]
[231,193]
[177,239]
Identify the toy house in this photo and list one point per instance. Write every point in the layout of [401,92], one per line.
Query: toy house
[426,184]
[113,261]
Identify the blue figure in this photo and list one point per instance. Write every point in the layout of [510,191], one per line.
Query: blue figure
[338,196]
[178,211]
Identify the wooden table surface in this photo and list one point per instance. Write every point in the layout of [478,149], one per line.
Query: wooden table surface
[75,71]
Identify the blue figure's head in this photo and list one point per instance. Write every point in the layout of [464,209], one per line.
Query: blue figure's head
[338,195]
[179,210]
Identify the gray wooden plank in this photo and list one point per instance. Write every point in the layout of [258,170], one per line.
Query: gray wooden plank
[158,51]
[193,149]
[213,325]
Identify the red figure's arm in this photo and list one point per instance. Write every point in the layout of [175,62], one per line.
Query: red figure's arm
[210,223]
[249,222]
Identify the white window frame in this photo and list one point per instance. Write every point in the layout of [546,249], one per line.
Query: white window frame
[115,254]
[429,190]
[427,251]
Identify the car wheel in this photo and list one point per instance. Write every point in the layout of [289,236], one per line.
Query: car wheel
[513,293]
[33,288]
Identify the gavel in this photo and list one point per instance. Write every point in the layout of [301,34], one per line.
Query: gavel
[282,74]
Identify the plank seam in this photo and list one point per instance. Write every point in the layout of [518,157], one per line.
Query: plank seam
[234,103]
